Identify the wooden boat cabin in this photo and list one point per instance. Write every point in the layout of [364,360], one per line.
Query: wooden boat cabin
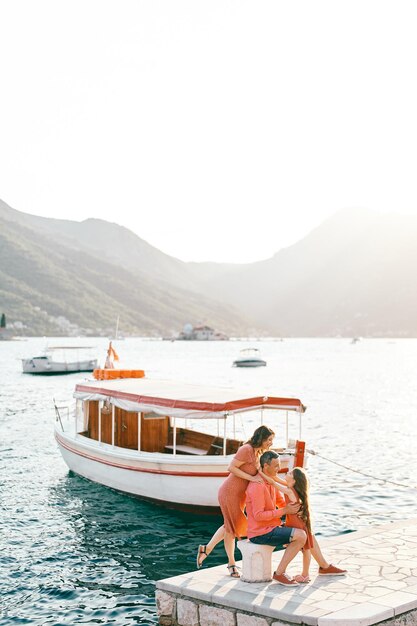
[149,432]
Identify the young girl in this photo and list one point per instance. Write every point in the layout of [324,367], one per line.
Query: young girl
[295,488]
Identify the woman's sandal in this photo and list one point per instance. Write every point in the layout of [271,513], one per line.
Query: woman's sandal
[201,552]
[233,571]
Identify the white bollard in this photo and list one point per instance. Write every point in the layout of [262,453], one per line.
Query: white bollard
[256,562]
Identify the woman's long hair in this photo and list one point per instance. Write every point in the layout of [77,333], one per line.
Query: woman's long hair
[301,487]
[259,436]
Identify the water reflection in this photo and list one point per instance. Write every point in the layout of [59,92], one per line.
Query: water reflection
[73,552]
[113,548]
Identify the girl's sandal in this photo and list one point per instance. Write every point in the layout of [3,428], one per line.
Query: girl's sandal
[233,571]
[202,554]
[302,579]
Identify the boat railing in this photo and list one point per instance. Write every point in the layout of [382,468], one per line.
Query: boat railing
[58,414]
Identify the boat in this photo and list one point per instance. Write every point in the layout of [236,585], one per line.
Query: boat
[165,441]
[249,357]
[60,360]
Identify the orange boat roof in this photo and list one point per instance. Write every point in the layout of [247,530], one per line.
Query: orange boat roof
[180,399]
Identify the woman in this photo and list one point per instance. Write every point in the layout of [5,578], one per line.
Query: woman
[232,496]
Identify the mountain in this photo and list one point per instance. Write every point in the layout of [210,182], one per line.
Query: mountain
[351,276]
[113,243]
[50,286]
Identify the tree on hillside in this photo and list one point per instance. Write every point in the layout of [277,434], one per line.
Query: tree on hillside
[3,321]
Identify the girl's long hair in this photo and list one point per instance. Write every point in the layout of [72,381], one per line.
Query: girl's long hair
[259,436]
[301,487]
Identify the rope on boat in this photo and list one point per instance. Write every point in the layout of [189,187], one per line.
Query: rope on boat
[351,469]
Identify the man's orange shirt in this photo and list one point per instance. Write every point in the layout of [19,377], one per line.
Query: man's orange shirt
[262,501]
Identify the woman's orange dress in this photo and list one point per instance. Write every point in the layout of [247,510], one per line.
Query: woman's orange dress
[293,521]
[232,493]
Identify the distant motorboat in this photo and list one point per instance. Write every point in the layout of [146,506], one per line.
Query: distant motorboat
[55,360]
[250,357]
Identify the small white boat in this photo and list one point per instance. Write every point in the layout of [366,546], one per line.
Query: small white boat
[60,360]
[249,357]
[139,436]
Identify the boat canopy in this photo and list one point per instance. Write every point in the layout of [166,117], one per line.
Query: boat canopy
[165,397]
[50,348]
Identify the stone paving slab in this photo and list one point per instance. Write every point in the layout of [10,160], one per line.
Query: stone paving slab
[381,582]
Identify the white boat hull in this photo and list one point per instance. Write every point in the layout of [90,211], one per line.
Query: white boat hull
[185,482]
[44,365]
[181,483]
[249,363]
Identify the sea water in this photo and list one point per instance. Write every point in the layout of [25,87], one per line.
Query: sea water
[73,552]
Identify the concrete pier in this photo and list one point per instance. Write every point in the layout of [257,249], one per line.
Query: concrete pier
[380,587]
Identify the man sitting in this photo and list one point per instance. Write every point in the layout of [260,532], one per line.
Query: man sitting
[265,506]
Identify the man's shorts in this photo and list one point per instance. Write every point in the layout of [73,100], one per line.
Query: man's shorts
[277,537]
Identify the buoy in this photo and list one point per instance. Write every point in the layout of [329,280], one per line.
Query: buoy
[112,374]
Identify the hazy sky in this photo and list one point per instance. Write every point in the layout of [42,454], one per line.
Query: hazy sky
[216,130]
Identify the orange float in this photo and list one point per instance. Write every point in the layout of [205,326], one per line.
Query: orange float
[112,374]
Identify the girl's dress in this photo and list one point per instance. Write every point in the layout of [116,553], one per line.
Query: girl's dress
[232,493]
[295,522]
